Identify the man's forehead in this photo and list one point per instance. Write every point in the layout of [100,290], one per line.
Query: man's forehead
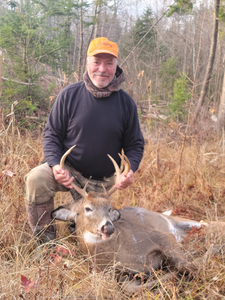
[103,56]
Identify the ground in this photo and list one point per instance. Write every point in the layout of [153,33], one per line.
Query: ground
[181,173]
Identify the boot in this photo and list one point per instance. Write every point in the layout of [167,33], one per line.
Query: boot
[40,221]
[43,237]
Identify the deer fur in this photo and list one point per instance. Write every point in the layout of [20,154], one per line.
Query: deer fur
[134,238]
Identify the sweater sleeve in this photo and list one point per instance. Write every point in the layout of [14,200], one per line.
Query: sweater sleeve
[133,141]
[55,131]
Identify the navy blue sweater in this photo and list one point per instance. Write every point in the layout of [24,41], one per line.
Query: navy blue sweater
[97,126]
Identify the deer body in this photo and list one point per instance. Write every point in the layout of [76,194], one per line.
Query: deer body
[137,245]
[135,238]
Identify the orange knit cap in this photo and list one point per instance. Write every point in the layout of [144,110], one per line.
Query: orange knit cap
[102,45]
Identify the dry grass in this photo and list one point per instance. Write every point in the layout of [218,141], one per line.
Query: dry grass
[186,177]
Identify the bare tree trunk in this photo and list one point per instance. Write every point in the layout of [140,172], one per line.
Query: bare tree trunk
[97,18]
[75,45]
[193,49]
[221,114]
[103,23]
[93,29]
[88,43]
[185,57]
[219,68]
[210,61]
[81,41]
[1,71]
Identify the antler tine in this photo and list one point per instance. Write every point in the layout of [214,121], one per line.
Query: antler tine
[64,156]
[122,160]
[82,192]
[105,191]
[114,188]
[127,166]
[125,162]
[116,167]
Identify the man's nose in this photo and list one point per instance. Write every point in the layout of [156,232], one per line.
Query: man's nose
[102,68]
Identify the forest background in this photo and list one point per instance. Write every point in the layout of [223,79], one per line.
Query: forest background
[172,53]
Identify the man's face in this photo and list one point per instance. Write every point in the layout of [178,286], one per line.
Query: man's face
[101,69]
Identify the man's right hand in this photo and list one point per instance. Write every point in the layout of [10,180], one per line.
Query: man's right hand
[62,176]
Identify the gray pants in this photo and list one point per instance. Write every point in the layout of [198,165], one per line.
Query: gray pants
[41,187]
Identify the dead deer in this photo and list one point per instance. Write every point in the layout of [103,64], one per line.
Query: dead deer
[134,238]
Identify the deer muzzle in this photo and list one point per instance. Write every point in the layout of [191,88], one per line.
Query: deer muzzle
[107,230]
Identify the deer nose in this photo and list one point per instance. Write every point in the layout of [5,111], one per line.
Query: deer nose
[108,228]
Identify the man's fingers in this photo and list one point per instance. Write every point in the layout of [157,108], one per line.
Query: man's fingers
[62,176]
[67,182]
[125,181]
[60,171]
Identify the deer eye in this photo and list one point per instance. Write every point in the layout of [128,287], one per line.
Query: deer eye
[87,209]
[109,209]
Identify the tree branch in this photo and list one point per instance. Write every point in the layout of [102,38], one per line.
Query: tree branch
[16,81]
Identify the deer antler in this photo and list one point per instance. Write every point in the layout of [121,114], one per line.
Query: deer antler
[82,192]
[64,156]
[124,163]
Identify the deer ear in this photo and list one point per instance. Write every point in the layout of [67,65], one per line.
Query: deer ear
[64,214]
[114,215]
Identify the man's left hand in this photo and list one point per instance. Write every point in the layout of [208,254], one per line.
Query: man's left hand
[125,181]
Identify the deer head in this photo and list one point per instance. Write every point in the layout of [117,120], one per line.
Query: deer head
[93,214]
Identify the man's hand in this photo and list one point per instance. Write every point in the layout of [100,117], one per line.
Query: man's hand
[62,176]
[125,181]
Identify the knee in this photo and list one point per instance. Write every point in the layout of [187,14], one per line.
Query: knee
[40,184]
[38,176]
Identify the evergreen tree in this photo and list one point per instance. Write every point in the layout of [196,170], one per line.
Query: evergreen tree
[142,25]
[60,15]
[26,40]
[181,7]
[140,28]
[168,74]
[32,35]
[179,98]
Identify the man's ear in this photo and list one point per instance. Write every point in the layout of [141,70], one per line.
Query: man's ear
[87,61]
[64,214]
[114,215]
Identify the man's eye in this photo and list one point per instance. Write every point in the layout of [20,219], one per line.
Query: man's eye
[88,209]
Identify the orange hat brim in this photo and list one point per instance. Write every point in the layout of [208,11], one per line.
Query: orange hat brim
[102,51]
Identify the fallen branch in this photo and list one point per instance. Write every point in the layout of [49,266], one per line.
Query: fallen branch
[16,81]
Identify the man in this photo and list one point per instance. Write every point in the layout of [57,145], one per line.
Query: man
[99,118]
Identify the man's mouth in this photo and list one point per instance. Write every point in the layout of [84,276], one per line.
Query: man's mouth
[101,75]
